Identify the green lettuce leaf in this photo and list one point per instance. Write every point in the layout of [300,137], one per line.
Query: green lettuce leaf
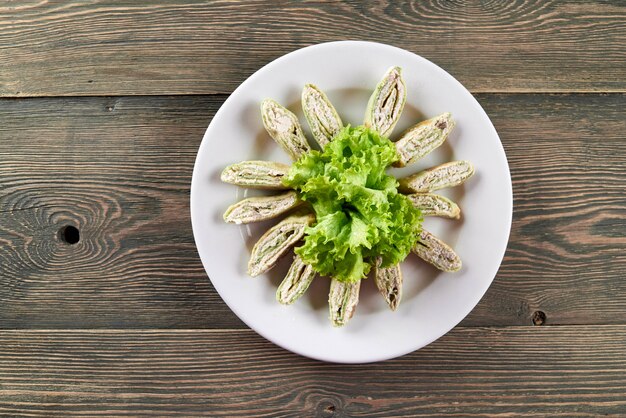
[360,214]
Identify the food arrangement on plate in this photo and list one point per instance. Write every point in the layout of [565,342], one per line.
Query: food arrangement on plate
[350,215]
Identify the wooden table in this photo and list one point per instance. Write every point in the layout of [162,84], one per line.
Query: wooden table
[103,105]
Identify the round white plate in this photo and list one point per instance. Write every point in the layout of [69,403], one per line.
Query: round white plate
[433,302]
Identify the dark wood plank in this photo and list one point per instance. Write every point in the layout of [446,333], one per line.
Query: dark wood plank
[119,169]
[541,371]
[188,47]
[566,252]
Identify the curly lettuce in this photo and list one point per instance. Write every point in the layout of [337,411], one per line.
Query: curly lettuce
[360,214]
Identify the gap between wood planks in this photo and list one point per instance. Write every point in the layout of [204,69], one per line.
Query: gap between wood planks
[225,95]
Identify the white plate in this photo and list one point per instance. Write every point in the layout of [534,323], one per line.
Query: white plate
[433,302]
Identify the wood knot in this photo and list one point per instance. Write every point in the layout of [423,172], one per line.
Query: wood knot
[327,409]
[539,318]
[69,234]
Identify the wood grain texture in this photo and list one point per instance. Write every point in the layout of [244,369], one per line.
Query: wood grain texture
[517,371]
[567,157]
[119,169]
[193,47]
